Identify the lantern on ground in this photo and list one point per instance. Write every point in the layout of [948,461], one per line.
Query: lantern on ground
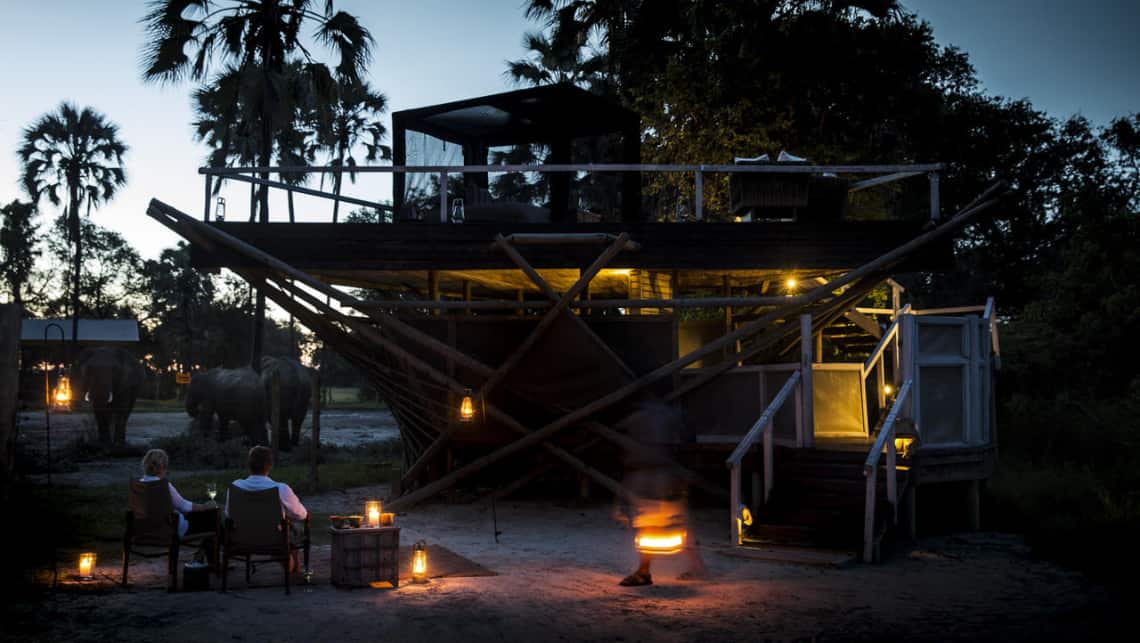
[660,543]
[87,565]
[419,562]
[467,407]
[372,513]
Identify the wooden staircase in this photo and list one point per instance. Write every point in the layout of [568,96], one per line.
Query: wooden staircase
[818,500]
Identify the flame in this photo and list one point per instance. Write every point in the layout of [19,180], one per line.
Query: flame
[662,543]
[372,509]
[62,391]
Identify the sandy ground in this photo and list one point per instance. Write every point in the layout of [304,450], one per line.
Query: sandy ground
[338,428]
[557,571]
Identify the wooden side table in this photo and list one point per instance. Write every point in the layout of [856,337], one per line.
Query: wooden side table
[363,556]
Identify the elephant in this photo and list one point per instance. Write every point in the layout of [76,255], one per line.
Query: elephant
[296,392]
[110,379]
[231,394]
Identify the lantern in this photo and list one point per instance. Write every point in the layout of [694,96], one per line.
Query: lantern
[86,565]
[660,543]
[467,407]
[419,562]
[888,390]
[220,209]
[372,511]
[62,396]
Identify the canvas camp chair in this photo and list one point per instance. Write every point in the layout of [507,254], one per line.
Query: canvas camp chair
[152,528]
[257,527]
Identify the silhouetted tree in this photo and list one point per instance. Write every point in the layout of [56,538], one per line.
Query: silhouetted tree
[78,152]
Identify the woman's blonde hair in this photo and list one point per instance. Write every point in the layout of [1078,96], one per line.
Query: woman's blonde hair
[155,461]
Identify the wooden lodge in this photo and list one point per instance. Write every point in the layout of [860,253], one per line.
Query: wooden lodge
[812,414]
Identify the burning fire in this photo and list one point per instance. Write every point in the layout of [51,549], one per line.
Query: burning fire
[660,543]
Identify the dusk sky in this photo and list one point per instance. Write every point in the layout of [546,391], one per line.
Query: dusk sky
[1066,57]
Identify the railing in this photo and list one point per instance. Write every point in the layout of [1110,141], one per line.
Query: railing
[871,471]
[762,429]
[875,364]
[886,174]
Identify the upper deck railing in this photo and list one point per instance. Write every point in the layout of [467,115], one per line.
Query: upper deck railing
[881,175]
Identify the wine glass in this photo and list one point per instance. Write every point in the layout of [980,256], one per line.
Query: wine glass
[211,490]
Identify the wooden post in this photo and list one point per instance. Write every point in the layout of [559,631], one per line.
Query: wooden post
[808,399]
[521,297]
[275,412]
[206,208]
[869,516]
[315,450]
[433,288]
[974,502]
[734,504]
[935,204]
[467,295]
[726,291]
[819,347]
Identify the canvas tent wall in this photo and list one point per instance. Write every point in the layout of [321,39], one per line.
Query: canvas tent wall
[554,116]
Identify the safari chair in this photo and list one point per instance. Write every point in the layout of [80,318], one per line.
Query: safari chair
[257,527]
[152,528]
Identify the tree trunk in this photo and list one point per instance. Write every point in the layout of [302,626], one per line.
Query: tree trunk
[73,220]
[336,185]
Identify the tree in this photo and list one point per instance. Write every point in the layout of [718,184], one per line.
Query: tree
[256,38]
[179,303]
[79,152]
[18,242]
[352,119]
[110,283]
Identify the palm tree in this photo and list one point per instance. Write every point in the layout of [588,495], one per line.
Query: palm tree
[257,37]
[78,152]
[352,119]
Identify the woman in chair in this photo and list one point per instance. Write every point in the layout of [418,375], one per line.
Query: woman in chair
[192,517]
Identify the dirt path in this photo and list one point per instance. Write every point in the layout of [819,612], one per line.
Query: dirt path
[558,570]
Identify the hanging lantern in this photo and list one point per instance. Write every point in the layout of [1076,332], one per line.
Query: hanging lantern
[419,562]
[62,396]
[87,565]
[220,209]
[467,407]
[372,511]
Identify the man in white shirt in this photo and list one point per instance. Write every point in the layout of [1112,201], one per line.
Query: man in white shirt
[260,464]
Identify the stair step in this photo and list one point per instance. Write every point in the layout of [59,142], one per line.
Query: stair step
[790,554]
[843,470]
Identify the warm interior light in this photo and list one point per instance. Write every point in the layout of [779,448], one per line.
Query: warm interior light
[745,516]
[888,389]
[737,220]
[419,562]
[86,564]
[660,543]
[467,407]
[791,283]
[62,394]
[372,511]
[903,446]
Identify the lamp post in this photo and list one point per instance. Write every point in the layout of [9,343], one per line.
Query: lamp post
[47,422]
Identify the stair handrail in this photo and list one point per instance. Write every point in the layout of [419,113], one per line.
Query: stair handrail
[761,429]
[893,333]
[884,341]
[885,440]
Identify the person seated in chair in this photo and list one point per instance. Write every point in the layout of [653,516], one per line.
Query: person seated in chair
[192,517]
[260,464]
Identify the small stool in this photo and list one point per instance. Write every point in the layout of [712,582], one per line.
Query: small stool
[361,557]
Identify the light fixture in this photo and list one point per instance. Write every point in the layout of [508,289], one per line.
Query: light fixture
[791,283]
[419,562]
[220,209]
[61,399]
[87,565]
[467,407]
[888,390]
